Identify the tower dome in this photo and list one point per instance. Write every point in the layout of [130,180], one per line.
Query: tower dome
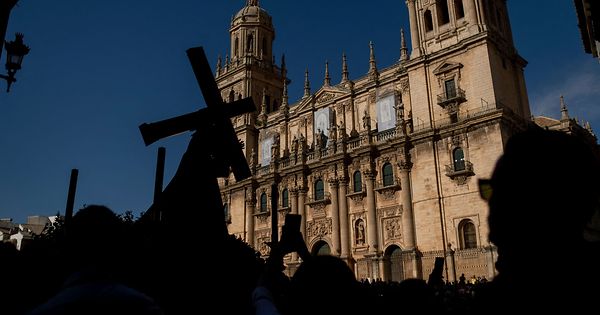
[252,13]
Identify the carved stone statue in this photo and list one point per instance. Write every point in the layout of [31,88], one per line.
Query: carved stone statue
[275,146]
[318,139]
[295,145]
[360,232]
[366,121]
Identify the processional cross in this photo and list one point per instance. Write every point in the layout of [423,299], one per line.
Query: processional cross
[213,151]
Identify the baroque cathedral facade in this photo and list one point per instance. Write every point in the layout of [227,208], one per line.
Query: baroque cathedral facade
[382,168]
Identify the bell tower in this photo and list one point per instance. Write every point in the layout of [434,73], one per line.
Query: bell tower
[249,70]
[437,24]
[463,56]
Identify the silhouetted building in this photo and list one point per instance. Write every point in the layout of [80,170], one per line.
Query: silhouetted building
[20,234]
[588,18]
[383,168]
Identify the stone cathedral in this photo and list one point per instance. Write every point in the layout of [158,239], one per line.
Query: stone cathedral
[383,168]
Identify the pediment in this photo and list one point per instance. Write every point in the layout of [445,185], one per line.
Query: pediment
[323,97]
[327,95]
[447,66]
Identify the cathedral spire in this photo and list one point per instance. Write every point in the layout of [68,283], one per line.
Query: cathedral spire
[403,49]
[373,73]
[344,68]
[283,67]
[219,65]
[327,80]
[564,113]
[306,84]
[284,99]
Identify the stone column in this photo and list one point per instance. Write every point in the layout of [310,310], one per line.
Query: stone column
[471,15]
[415,39]
[250,202]
[381,261]
[371,212]
[302,210]
[451,264]
[335,217]
[294,210]
[408,223]
[344,224]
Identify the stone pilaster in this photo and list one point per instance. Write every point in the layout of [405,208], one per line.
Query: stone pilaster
[302,210]
[371,212]
[408,223]
[335,217]
[344,222]
[250,204]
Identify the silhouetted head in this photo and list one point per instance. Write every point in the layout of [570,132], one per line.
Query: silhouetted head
[324,285]
[94,234]
[545,190]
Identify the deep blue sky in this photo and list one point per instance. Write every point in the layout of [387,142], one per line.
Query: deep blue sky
[99,68]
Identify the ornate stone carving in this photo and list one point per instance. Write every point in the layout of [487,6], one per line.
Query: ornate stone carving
[319,210]
[318,228]
[456,140]
[388,194]
[392,228]
[262,238]
[325,97]
[404,86]
[405,165]
[389,211]
[262,217]
[357,197]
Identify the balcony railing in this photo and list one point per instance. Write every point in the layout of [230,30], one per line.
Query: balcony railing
[380,184]
[464,168]
[326,198]
[451,96]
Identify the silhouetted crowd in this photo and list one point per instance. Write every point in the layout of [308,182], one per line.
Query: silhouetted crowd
[544,199]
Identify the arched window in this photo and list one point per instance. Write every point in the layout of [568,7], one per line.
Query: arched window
[442,12]
[285,199]
[263,202]
[388,174]
[393,264]
[467,234]
[458,156]
[459,9]
[226,212]
[357,181]
[250,43]
[319,190]
[231,96]
[428,21]
[321,248]
[264,46]
[236,47]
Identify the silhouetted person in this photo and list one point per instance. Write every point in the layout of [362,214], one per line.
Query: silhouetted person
[94,256]
[324,285]
[544,200]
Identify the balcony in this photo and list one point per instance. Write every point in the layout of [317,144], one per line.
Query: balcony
[325,199]
[388,189]
[454,96]
[460,171]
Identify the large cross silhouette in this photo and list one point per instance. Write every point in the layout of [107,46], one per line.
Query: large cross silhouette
[213,151]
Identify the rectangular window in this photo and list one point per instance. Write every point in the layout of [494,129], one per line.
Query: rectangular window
[450,89]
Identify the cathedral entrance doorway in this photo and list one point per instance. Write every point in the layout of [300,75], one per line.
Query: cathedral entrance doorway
[393,264]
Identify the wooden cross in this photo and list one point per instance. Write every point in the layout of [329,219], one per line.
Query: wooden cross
[213,152]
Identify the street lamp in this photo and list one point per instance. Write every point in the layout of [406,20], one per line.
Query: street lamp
[15,51]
